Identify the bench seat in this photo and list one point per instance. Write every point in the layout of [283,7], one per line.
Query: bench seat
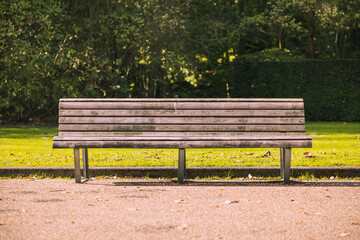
[181,123]
[260,141]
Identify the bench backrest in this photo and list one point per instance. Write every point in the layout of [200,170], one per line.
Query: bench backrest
[178,117]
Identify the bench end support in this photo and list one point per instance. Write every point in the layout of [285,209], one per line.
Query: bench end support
[285,160]
[77,165]
[181,165]
[85,165]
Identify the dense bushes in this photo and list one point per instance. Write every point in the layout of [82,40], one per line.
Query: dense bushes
[32,38]
[72,48]
[330,88]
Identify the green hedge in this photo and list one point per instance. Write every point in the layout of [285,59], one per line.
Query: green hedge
[330,88]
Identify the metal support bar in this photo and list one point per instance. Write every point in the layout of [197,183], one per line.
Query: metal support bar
[77,165]
[85,163]
[285,162]
[181,165]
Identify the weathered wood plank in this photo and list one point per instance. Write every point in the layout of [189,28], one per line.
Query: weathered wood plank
[179,134]
[180,120]
[198,138]
[183,105]
[183,113]
[182,128]
[181,100]
[184,144]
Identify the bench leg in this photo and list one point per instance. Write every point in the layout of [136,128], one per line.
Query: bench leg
[285,159]
[77,165]
[181,165]
[85,163]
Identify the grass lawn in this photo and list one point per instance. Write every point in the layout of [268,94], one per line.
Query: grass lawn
[334,144]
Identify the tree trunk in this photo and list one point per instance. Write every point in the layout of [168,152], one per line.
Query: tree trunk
[310,34]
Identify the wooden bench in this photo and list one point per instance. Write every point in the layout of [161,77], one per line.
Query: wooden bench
[181,123]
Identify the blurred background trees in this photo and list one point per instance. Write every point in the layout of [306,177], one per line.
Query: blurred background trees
[181,48]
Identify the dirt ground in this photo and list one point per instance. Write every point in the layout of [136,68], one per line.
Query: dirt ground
[161,209]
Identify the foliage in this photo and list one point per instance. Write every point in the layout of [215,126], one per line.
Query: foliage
[181,48]
[32,39]
[330,89]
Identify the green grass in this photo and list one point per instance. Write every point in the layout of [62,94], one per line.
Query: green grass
[334,144]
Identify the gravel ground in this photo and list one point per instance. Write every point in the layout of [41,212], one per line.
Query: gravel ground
[161,209]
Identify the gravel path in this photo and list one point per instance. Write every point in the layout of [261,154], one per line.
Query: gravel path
[161,209]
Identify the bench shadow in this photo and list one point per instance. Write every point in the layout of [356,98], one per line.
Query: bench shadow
[262,183]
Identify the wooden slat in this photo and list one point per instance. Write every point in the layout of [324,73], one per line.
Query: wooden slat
[182,128]
[176,134]
[183,144]
[183,105]
[181,100]
[198,138]
[183,113]
[181,123]
[180,120]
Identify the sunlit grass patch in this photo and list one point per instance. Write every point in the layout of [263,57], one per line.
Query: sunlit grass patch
[334,144]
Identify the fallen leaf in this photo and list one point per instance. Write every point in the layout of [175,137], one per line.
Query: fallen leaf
[183,227]
[230,202]
[308,155]
[179,210]
[355,223]
[72,222]
[133,209]
[266,154]
[180,201]
[344,234]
